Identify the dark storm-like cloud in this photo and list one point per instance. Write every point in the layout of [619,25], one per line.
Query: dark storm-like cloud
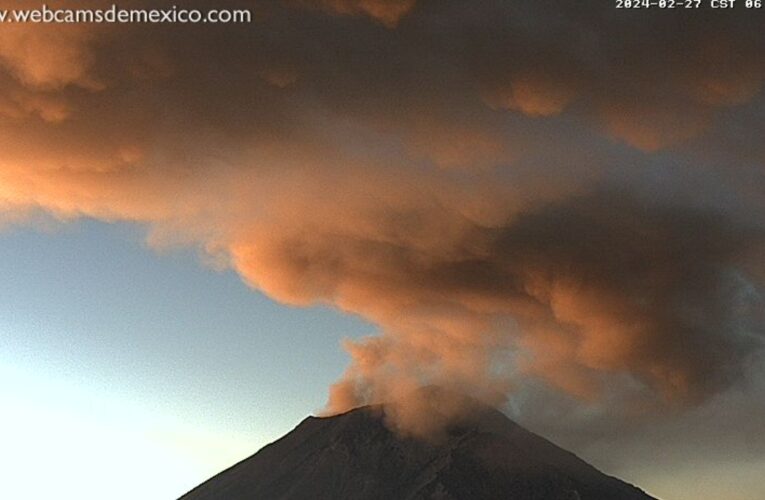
[511,190]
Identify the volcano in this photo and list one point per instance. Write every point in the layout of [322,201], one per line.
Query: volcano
[356,456]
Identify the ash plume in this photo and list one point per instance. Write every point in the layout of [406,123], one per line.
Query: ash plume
[513,191]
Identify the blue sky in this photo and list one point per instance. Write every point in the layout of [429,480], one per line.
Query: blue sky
[123,354]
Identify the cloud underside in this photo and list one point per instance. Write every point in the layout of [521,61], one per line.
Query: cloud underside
[511,191]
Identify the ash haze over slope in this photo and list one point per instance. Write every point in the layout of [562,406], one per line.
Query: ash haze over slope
[557,203]
[355,455]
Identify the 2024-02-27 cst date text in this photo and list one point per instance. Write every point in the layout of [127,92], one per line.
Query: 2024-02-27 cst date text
[687,4]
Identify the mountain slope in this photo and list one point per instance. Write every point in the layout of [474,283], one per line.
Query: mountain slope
[355,456]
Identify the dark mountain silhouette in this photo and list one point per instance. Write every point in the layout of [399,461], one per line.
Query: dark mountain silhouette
[356,456]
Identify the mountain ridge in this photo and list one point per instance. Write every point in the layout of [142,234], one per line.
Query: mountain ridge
[354,455]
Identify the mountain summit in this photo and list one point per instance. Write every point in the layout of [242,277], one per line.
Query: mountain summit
[356,456]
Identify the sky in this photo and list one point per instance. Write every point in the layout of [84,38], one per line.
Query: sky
[120,361]
[209,232]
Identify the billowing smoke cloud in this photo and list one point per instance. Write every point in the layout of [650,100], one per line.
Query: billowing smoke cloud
[512,191]
[592,285]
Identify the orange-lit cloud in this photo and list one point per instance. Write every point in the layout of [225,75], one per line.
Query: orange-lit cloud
[534,95]
[405,175]
[48,56]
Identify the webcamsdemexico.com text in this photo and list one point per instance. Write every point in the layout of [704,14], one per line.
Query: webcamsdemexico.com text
[114,14]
